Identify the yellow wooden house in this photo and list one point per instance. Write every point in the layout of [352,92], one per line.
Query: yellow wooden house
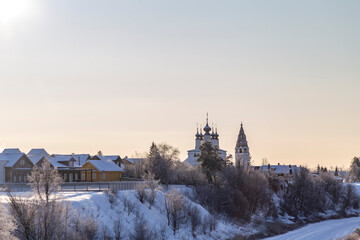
[100,171]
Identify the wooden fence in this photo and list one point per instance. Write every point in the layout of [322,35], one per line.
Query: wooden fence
[81,186]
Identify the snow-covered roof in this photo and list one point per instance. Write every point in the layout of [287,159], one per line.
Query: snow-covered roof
[11,158]
[63,158]
[105,166]
[35,158]
[280,169]
[135,160]
[56,164]
[77,157]
[11,151]
[39,152]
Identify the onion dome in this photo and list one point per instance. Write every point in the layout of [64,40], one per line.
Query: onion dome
[197,135]
[207,128]
[213,136]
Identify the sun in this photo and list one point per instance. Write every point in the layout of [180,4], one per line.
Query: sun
[15,10]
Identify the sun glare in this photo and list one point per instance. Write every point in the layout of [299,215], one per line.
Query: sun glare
[15,10]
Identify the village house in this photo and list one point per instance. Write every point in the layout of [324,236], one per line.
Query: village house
[115,158]
[101,171]
[278,169]
[16,165]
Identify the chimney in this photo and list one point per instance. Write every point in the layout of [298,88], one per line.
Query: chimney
[289,165]
[269,166]
[278,164]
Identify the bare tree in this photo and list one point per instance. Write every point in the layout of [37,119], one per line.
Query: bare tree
[118,229]
[40,216]
[141,192]
[6,224]
[195,218]
[153,186]
[174,205]
[141,230]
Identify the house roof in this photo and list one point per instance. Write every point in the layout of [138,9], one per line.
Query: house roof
[56,164]
[77,157]
[105,166]
[11,158]
[11,151]
[38,151]
[135,160]
[35,158]
[107,157]
[279,169]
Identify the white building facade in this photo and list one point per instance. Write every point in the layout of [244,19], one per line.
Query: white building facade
[209,136]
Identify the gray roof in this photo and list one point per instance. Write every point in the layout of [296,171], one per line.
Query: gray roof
[35,158]
[11,151]
[39,152]
[77,157]
[11,158]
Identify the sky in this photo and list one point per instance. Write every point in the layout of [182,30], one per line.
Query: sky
[83,76]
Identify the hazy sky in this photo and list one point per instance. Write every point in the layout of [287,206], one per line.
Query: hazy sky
[82,76]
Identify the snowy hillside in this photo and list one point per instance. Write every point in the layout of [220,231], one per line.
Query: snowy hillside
[128,209]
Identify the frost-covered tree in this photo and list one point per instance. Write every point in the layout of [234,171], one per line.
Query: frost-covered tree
[6,224]
[160,159]
[355,170]
[45,181]
[40,216]
[174,205]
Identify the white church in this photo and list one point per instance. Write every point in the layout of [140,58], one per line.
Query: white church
[209,136]
[242,153]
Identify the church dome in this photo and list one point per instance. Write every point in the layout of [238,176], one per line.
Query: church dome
[207,129]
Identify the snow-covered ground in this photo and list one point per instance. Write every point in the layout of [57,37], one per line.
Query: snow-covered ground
[326,230]
[97,204]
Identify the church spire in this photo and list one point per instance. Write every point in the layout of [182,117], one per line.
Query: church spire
[241,141]
[207,128]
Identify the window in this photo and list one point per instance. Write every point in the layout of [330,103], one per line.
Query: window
[240,150]
[94,175]
[245,149]
[83,176]
[22,162]
[65,176]
[76,177]
[104,176]
[14,178]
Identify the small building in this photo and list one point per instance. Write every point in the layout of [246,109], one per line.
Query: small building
[17,167]
[100,171]
[278,169]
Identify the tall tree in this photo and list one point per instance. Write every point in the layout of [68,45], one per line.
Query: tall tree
[355,169]
[160,159]
[210,160]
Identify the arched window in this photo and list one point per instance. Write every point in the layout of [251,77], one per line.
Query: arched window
[245,149]
[240,150]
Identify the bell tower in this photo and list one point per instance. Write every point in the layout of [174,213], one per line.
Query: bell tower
[242,154]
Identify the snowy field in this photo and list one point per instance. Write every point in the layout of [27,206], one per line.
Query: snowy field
[326,230]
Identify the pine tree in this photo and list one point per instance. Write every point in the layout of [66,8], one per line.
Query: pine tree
[211,161]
